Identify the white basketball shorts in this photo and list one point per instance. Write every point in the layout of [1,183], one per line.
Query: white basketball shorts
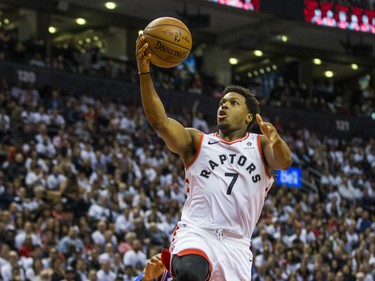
[230,257]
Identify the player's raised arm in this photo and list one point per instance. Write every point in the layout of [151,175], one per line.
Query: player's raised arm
[177,138]
[276,151]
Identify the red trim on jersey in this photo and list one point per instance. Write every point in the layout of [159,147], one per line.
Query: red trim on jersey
[174,232]
[197,153]
[233,141]
[262,156]
[196,252]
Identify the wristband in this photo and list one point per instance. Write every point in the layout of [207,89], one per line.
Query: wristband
[143,73]
[139,278]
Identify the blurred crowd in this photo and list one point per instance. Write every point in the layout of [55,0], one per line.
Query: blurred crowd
[89,192]
[353,98]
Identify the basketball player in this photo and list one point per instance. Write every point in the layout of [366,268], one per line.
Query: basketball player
[329,20]
[227,180]
[343,24]
[354,25]
[365,26]
[317,18]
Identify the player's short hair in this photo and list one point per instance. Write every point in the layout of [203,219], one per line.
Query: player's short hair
[251,102]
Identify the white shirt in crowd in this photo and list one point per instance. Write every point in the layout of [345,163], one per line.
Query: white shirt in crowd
[135,259]
[104,276]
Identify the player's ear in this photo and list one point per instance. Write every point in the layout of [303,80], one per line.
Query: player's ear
[249,118]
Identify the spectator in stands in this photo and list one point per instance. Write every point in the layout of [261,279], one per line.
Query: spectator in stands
[135,257]
[98,235]
[27,232]
[93,259]
[98,210]
[123,222]
[108,253]
[126,245]
[198,120]
[71,243]
[105,273]
[12,268]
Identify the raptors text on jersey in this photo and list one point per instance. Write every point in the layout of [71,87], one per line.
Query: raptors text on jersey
[227,184]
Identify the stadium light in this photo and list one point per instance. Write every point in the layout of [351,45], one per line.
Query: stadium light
[317,61]
[354,66]
[81,21]
[328,74]
[233,61]
[52,29]
[110,5]
[258,53]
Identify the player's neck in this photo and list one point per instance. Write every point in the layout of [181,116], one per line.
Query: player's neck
[231,135]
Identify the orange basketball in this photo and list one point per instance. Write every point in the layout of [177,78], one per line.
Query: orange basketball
[169,41]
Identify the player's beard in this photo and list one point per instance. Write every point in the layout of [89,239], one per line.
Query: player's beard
[222,126]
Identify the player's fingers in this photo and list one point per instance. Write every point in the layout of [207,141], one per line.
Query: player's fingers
[156,258]
[147,57]
[155,261]
[263,129]
[273,135]
[143,48]
[259,119]
[267,129]
[138,41]
[141,52]
[151,265]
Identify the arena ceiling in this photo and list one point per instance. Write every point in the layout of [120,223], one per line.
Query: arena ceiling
[237,31]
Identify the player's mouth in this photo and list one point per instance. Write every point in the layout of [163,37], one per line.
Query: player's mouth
[222,115]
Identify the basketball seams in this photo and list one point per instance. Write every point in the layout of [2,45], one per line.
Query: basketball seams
[161,39]
[150,27]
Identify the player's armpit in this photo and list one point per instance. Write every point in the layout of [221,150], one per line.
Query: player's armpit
[180,140]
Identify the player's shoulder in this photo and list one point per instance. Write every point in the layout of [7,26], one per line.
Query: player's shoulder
[195,134]
[193,130]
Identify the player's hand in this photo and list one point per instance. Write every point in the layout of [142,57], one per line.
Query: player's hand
[154,268]
[268,130]
[143,60]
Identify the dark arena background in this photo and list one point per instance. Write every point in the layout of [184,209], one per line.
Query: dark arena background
[88,191]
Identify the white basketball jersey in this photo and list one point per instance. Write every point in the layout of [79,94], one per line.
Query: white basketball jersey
[226,185]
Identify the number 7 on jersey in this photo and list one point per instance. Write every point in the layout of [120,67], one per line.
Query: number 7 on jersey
[234,177]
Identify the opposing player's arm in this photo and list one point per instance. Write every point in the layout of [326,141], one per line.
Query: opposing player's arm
[276,151]
[154,269]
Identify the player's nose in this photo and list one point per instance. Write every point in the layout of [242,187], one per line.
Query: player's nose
[224,105]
